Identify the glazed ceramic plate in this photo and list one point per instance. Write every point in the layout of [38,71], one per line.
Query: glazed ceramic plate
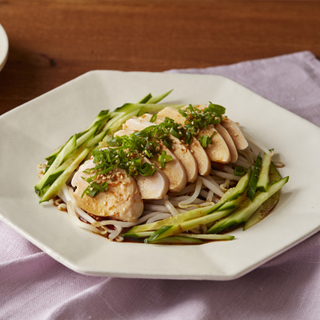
[29,133]
[4,47]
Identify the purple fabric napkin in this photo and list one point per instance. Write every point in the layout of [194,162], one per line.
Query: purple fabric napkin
[34,286]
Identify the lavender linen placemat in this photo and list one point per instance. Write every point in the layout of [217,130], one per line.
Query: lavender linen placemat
[34,286]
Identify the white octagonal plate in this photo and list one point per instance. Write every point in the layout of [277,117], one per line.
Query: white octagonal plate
[30,132]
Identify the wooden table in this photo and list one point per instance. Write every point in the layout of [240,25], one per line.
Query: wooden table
[52,42]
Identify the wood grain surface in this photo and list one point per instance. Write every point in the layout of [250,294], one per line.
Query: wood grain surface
[52,42]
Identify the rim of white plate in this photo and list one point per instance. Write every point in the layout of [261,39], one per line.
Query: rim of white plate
[4,47]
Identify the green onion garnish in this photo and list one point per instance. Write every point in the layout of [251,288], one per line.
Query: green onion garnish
[239,171]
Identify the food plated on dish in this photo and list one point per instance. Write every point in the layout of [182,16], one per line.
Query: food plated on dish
[162,174]
[31,132]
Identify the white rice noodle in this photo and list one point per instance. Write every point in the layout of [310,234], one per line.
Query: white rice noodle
[205,204]
[194,203]
[278,164]
[204,193]
[115,233]
[210,195]
[75,218]
[225,175]
[62,207]
[215,199]
[159,216]
[243,162]
[204,228]
[254,141]
[65,196]
[249,158]
[187,189]
[225,186]
[170,206]
[228,169]
[173,200]
[212,185]
[151,215]
[116,223]
[145,212]
[196,230]
[179,199]
[194,196]
[156,207]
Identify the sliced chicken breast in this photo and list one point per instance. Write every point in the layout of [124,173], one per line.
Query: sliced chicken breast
[122,201]
[181,151]
[174,170]
[237,136]
[195,147]
[217,150]
[227,138]
[123,133]
[152,187]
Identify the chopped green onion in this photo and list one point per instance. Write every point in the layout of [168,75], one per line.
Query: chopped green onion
[239,171]
[153,118]
[163,158]
[94,188]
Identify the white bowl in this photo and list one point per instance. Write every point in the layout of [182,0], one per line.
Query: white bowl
[4,47]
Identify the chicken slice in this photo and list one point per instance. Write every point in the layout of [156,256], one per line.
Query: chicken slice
[180,150]
[227,138]
[237,136]
[121,133]
[151,187]
[217,150]
[174,170]
[195,147]
[122,200]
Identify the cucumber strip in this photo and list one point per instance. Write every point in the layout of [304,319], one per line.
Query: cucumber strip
[159,98]
[138,234]
[145,107]
[274,173]
[146,98]
[208,237]
[70,147]
[56,151]
[61,169]
[263,180]
[233,203]
[66,150]
[268,205]
[239,188]
[254,178]
[62,179]
[231,194]
[167,231]
[101,118]
[247,209]
[115,123]
[174,220]
[178,240]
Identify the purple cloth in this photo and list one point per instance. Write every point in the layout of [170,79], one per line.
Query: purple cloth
[34,286]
